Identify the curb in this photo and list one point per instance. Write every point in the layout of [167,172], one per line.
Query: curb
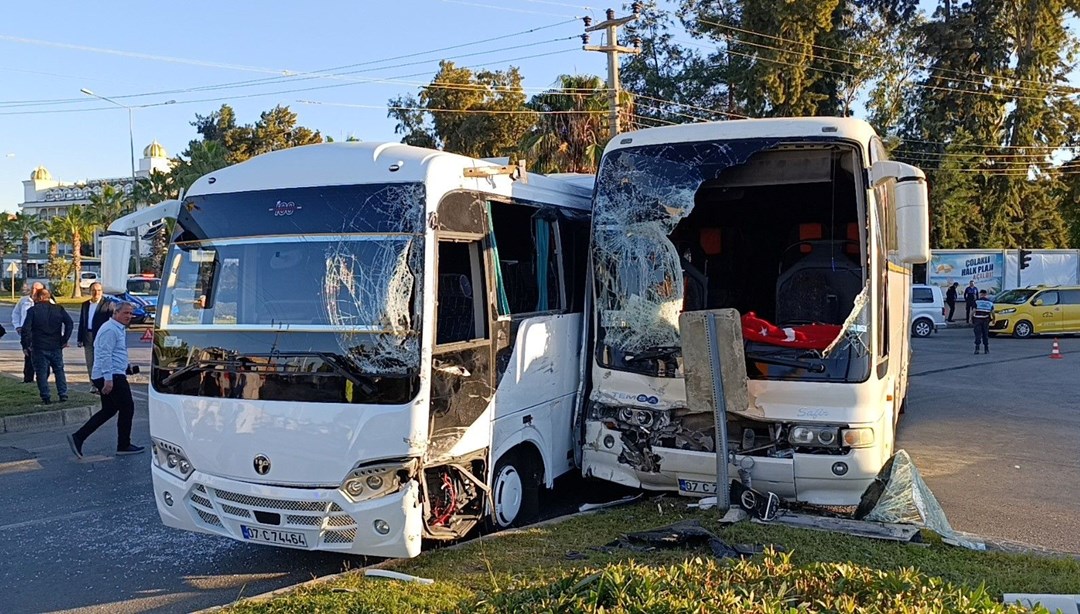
[45,420]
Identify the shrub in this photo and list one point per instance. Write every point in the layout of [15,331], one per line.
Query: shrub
[62,287]
[772,585]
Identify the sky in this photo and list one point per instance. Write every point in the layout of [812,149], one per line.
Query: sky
[159,58]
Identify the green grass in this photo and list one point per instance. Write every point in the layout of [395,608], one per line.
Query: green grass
[17,398]
[60,300]
[559,564]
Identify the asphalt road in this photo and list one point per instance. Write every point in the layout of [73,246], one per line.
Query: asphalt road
[995,436]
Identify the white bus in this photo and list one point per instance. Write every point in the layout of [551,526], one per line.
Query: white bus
[361,346]
[805,228]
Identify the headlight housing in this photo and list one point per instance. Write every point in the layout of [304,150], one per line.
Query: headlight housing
[366,482]
[1006,311]
[857,438]
[814,436]
[171,458]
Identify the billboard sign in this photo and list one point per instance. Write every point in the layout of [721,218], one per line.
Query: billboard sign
[986,269]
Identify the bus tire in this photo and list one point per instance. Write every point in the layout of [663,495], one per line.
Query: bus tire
[514,491]
[1023,329]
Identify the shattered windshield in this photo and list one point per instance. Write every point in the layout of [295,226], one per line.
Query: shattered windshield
[321,301]
[773,229]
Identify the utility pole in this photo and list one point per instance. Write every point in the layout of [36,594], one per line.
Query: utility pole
[612,49]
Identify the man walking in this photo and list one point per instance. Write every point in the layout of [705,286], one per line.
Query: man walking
[18,315]
[92,315]
[980,317]
[971,294]
[110,378]
[950,299]
[45,333]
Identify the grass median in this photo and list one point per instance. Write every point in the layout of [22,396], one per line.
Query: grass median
[17,398]
[566,567]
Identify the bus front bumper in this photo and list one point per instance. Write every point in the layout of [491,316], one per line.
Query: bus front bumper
[301,518]
[808,478]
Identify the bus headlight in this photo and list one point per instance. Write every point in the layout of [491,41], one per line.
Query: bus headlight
[370,481]
[171,458]
[806,436]
[857,438]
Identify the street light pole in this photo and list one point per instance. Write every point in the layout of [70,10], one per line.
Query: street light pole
[131,142]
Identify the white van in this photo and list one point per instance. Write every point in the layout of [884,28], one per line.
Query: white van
[927,310]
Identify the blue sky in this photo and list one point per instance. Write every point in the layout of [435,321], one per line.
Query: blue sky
[51,50]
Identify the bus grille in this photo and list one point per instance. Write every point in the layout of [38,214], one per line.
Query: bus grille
[337,526]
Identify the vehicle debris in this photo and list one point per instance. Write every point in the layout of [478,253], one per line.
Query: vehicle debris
[899,495]
[396,575]
[904,533]
[682,534]
[588,507]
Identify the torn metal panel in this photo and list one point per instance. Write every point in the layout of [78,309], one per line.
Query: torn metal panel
[904,533]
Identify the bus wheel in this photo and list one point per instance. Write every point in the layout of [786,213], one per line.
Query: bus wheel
[513,492]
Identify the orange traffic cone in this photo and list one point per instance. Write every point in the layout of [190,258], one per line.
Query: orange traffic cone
[1055,352]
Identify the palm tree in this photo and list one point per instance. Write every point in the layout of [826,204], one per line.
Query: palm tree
[25,227]
[55,232]
[156,188]
[573,125]
[78,222]
[110,204]
[205,157]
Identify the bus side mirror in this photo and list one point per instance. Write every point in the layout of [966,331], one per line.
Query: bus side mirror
[912,206]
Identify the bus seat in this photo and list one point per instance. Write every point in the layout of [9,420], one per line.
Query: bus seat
[454,319]
[711,241]
[820,287]
[852,246]
[810,232]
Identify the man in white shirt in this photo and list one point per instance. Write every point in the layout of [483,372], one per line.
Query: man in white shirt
[110,378]
[18,316]
[92,315]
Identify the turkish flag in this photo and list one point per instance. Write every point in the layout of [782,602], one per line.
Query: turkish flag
[805,337]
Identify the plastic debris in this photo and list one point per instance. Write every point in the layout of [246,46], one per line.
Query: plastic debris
[394,575]
[899,495]
[586,507]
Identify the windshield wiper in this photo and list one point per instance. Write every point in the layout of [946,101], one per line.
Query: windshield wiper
[653,353]
[796,363]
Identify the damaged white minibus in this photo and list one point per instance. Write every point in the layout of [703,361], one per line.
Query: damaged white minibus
[806,228]
[361,346]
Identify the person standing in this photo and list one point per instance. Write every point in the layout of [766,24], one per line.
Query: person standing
[18,315]
[950,299]
[45,333]
[980,318]
[110,378]
[92,315]
[971,294]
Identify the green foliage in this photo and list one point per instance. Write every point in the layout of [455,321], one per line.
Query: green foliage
[773,585]
[480,115]
[226,142]
[565,564]
[572,126]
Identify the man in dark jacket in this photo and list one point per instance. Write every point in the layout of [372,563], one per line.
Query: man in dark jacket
[45,334]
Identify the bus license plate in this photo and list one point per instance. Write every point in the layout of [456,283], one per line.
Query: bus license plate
[694,487]
[274,536]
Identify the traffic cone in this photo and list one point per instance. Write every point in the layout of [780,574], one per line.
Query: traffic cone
[1055,352]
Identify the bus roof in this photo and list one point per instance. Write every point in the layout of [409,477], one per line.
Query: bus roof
[776,127]
[359,163]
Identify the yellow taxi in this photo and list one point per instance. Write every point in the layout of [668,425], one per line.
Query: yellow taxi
[1043,310]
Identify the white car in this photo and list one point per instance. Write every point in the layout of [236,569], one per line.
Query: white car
[927,310]
[86,278]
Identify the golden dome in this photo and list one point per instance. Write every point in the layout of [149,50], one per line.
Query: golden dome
[154,150]
[41,173]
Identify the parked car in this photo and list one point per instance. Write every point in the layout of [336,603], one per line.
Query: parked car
[142,292]
[86,278]
[927,310]
[1023,312]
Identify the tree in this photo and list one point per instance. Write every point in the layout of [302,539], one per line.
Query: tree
[25,227]
[572,126]
[109,205]
[276,129]
[77,222]
[478,115]
[156,188]
[201,158]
